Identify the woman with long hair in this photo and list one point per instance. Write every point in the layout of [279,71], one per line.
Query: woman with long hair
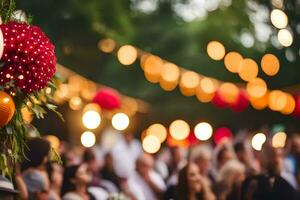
[75,183]
[191,185]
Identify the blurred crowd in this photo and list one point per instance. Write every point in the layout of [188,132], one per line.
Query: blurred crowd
[231,170]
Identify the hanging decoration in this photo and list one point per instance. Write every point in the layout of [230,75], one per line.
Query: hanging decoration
[107,99]
[27,73]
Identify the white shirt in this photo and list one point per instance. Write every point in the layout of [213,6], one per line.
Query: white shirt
[140,187]
[125,155]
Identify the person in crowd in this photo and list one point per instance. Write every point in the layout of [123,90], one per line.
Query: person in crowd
[201,155]
[108,171]
[7,191]
[90,159]
[191,185]
[176,163]
[145,183]
[131,149]
[243,154]
[34,168]
[269,184]
[55,171]
[75,183]
[291,167]
[231,177]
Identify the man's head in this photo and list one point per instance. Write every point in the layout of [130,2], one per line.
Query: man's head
[144,163]
[271,159]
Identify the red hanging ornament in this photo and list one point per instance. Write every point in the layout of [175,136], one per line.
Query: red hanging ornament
[242,102]
[107,99]
[221,134]
[7,108]
[28,57]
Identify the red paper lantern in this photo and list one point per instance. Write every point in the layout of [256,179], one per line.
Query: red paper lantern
[221,134]
[107,99]
[192,139]
[242,102]
[297,107]
[7,108]
[218,101]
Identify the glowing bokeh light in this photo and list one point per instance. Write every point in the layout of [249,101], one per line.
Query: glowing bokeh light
[289,106]
[285,37]
[232,61]
[279,140]
[279,19]
[120,121]
[203,131]
[179,129]
[152,68]
[277,100]
[259,103]
[88,139]
[270,64]
[107,45]
[169,76]
[229,92]
[91,119]
[75,103]
[215,50]
[257,88]
[159,131]
[189,82]
[258,140]
[151,144]
[92,106]
[248,69]
[127,55]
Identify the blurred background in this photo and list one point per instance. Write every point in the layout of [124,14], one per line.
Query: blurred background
[178,31]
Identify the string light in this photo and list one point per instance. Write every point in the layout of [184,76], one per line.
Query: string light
[279,140]
[179,129]
[277,100]
[215,50]
[279,18]
[152,68]
[259,103]
[91,119]
[270,64]
[107,45]
[151,144]
[258,140]
[257,88]
[159,131]
[229,92]
[189,82]
[88,139]
[232,61]
[120,121]
[285,37]
[248,69]
[203,131]
[169,76]
[289,106]
[75,103]
[127,55]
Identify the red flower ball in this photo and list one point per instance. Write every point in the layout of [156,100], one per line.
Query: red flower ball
[107,99]
[29,59]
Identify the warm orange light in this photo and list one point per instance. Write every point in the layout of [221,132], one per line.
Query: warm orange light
[169,76]
[107,45]
[233,61]
[248,69]
[259,103]
[202,96]
[270,64]
[290,105]
[257,87]
[158,130]
[179,129]
[277,100]
[229,92]
[215,50]
[189,82]
[152,68]
[127,54]
[208,85]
